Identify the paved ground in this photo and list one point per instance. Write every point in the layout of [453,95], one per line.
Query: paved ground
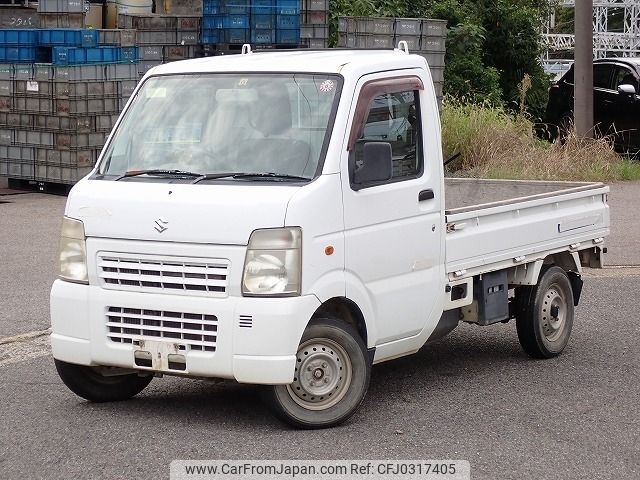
[473,395]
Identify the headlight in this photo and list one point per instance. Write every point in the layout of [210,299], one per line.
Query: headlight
[73,251]
[272,265]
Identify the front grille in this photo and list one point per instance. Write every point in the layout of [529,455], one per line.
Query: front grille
[191,331]
[175,275]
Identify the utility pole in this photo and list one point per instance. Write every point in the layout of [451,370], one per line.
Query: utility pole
[583,69]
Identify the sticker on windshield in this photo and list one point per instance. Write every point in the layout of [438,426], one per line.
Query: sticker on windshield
[327,86]
[159,92]
[243,82]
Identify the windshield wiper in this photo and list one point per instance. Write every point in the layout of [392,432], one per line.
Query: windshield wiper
[257,176]
[213,176]
[156,171]
[269,175]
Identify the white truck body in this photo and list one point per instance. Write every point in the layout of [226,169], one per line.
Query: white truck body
[385,260]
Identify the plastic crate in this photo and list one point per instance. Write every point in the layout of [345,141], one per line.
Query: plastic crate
[288,7]
[434,28]
[147,21]
[17,153]
[127,54]
[126,87]
[413,42]
[66,124]
[231,20]
[346,40]
[21,37]
[433,44]
[288,22]
[18,54]
[157,38]
[189,23]
[188,37]
[375,25]
[235,35]
[263,21]
[211,7]
[67,141]
[61,6]
[235,6]
[315,18]
[105,123]
[179,52]
[375,41]
[408,26]
[262,36]
[6,136]
[73,55]
[85,106]
[314,42]
[20,120]
[33,88]
[35,138]
[437,73]
[315,5]
[115,37]
[151,52]
[85,89]
[210,36]
[314,31]
[62,20]
[434,59]
[289,36]
[68,37]
[263,7]
[17,169]
[6,88]
[347,24]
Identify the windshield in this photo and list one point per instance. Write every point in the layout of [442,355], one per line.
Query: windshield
[210,124]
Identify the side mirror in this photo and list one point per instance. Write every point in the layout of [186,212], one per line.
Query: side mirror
[377,164]
[626,89]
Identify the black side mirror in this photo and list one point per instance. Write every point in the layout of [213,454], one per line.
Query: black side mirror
[377,164]
[626,89]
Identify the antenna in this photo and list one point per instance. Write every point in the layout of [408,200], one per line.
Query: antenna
[246,49]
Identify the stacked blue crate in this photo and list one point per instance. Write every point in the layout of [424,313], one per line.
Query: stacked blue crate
[262,22]
[59,46]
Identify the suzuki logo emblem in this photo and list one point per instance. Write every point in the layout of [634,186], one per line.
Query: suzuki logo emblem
[161,224]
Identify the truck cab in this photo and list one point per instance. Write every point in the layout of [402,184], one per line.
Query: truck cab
[279,219]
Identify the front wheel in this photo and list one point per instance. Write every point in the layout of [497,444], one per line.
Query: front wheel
[545,314]
[331,377]
[90,384]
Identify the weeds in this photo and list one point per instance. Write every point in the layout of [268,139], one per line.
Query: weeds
[495,144]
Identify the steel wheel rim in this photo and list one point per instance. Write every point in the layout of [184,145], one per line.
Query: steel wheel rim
[323,374]
[553,313]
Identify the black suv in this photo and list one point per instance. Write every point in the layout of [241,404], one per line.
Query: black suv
[616,103]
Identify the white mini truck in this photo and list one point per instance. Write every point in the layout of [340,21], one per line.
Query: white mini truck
[280,219]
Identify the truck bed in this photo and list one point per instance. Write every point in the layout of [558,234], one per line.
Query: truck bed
[493,224]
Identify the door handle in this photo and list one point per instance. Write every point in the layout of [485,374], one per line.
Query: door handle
[426,195]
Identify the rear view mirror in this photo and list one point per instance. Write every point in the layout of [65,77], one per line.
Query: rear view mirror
[377,164]
[626,89]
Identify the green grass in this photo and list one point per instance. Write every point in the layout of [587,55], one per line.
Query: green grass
[495,144]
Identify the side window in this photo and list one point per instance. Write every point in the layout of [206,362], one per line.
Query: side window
[394,118]
[624,76]
[602,76]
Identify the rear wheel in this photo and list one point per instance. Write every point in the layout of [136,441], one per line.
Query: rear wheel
[331,377]
[545,314]
[90,384]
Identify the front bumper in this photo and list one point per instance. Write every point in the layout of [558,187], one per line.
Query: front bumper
[262,353]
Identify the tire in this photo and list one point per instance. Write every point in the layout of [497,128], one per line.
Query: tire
[88,383]
[331,379]
[545,314]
